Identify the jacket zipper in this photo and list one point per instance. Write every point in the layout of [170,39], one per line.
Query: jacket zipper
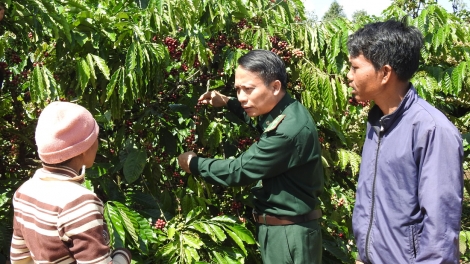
[373,193]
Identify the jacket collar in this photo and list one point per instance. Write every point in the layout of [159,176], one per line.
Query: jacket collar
[265,120]
[381,122]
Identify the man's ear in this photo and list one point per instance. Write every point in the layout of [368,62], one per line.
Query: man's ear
[277,87]
[387,71]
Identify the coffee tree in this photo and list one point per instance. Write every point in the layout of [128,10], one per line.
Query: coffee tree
[140,67]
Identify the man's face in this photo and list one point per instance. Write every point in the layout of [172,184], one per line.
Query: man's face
[364,79]
[90,154]
[255,97]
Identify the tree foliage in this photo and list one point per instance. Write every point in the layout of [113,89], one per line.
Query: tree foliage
[334,11]
[140,67]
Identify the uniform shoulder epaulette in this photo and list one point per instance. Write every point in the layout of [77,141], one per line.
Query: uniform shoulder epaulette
[275,123]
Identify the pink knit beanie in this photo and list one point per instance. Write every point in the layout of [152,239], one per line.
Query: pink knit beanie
[64,130]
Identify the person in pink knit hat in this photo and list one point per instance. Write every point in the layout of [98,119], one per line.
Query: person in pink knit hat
[56,219]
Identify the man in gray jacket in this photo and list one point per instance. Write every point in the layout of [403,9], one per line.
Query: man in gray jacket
[409,194]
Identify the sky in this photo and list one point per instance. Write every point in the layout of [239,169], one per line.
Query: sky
[351,6]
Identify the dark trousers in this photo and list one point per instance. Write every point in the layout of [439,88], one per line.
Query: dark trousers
[291,244]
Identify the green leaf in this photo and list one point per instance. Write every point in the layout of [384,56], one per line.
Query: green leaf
[190,251]
[83,73]
[191,240]
[115,227]
[122,86]
[224,219]
[193,214]
[447,83]
[38,85]
[171,232]
[102,66]
[463,242]
[91,66]
[130,223]
[213,135]
[349,157]
[219,257]
[236,239]
[336,127]
[112,84]
[131,58]
[168,250]
[243,233]
[134,165]
[457,78]
[206,228]
[219,233]
[188,203]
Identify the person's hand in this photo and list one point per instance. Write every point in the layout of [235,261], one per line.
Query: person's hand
[184,159]
[214,98]
[359,262]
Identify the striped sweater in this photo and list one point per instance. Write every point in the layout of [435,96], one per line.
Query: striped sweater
[60,221]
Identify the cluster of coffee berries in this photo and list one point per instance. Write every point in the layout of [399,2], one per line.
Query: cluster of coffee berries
[162,157]
[282,44]
[173,97]
[274,40]
[15,80]
[337,234]
[335,201]
[244,143]
[191,141]
[184,67]
[352,101]
[217,44]
[197,114]
[298,53]
[25,73]
[12,56]
[160,224]
[177,178]
[243,46]
[236,206]
[173,47]
[281,48]
[243,24]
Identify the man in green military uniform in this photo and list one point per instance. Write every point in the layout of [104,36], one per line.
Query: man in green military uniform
[286,161]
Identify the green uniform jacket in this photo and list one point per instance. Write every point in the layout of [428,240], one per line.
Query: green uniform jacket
[287,160]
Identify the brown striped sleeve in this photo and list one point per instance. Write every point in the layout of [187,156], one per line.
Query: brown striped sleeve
[121,256]
[80,224]
[19,252]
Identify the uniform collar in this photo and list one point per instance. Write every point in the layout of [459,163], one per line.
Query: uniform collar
[265,120]
[381,122]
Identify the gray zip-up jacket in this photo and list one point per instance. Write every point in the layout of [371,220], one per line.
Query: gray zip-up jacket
[409,194]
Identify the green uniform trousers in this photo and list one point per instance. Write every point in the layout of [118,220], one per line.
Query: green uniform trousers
[298,243]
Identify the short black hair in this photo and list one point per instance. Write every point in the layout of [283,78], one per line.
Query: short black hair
[266,64]
[391,42]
